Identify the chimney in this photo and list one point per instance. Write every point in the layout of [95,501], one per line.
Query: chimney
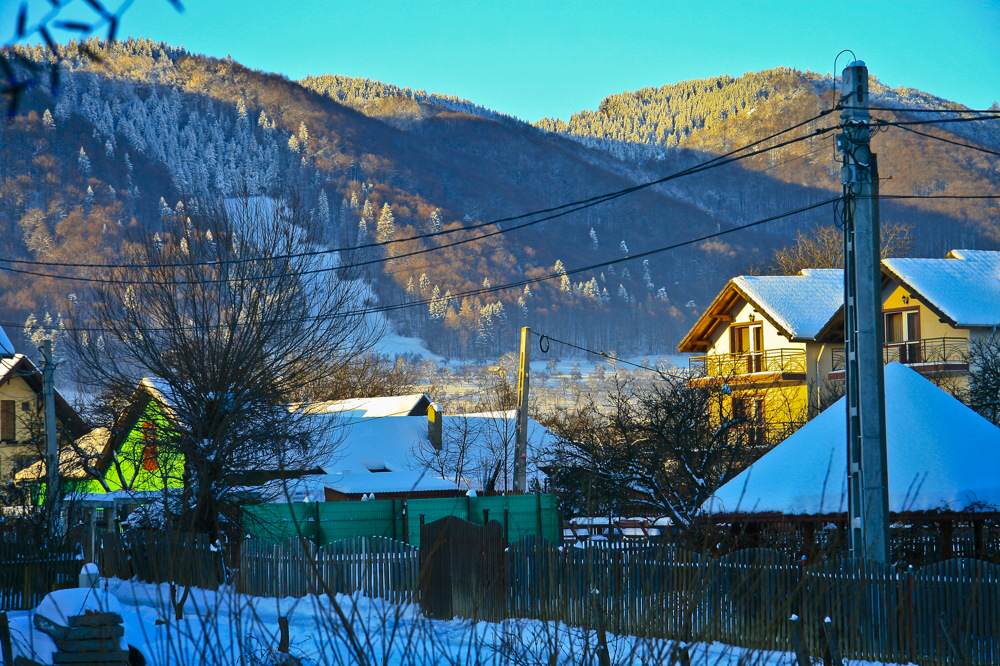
[434,422]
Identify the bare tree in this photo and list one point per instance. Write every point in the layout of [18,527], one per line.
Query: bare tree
[823,247]
[660,450]
[984,376]
[233,318]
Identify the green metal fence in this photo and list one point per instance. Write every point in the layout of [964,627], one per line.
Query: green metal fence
[326,522]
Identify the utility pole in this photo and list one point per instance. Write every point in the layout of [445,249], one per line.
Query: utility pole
[867,487]
[521,432]
[51,447]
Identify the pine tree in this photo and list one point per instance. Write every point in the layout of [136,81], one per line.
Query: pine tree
[434,221]
[647,276]
[48,121]
[424,283]
[241,109]
[593,238]
[323,208]
[83,162]
[293,143]
[109,148]
[411,287]
[303,136]
[486,283]
[386,227]
[623,246]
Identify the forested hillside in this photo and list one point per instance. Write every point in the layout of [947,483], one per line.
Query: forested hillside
[155,135]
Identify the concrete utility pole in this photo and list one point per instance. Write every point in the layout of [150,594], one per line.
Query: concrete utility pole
[867,487]
[51,446]
[521,433]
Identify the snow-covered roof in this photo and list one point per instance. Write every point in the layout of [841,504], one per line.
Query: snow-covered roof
[413,404]
[389,482]
[800,304]
[6,346]
[965,286]
[941,456]
[87,448]
[373,452]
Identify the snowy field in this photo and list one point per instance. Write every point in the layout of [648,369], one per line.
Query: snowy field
[225,628]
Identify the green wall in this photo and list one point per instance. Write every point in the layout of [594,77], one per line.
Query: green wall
[325,522]
[170,471]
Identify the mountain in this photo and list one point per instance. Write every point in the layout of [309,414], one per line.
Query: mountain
[155,133]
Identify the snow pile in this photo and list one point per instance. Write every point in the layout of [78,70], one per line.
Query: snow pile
[965,286]
[800,304]
[941,455]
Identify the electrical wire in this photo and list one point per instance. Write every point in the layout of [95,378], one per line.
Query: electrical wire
[606,356]
[510,285]
[876,122]
[903,109]
[718,161]
[941,138]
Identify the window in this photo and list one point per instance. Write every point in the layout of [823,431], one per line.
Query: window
[8,425]
[749,415]
[149,446]
[747,340]
[902,335]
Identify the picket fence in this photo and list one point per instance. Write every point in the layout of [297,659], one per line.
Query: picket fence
[945,613]
[29,572]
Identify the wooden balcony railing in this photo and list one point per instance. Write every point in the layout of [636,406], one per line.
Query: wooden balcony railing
[771,360]
[930,351]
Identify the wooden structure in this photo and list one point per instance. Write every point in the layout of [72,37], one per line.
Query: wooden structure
[462,569]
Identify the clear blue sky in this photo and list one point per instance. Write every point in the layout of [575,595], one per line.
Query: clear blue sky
[536,58]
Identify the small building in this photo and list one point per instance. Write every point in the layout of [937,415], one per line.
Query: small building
[22,412]
[379,446]
[942,467]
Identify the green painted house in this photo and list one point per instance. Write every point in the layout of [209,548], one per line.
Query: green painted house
[138,453]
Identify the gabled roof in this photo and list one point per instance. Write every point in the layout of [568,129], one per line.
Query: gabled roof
[89,449]
[799,306]
[941,456]
[21,366]
[964,287]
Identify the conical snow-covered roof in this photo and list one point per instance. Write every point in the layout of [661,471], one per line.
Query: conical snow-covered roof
[941,456]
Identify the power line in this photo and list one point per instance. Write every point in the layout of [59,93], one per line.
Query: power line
[580,204]
[878,122]
[711,164]
[903,109]
[542,337]
[511,285]
[941,138]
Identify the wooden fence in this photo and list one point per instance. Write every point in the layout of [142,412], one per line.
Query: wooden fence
[373,566]
[947,613]
[28,573]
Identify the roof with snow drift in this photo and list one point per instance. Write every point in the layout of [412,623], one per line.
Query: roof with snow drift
[941,456]
[964,287]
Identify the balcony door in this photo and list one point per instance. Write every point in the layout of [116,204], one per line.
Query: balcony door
[902,336]
[746,341]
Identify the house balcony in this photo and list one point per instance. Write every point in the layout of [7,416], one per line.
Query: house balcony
[755,367]
[927,356]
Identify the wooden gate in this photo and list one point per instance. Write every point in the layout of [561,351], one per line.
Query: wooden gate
[462,570]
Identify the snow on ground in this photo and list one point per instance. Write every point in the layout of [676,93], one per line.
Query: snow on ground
[226,628]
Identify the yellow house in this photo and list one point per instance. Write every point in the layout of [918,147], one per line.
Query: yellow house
[776,342]
[764,338]
[22,414]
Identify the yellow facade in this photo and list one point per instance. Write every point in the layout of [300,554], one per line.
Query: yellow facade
[19,403]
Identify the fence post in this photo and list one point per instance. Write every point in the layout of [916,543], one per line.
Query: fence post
[538,513]
[910,619]
[6,648]
[406,521]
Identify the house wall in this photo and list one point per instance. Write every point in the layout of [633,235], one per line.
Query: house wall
[130,473]
[13,455]
[895,296]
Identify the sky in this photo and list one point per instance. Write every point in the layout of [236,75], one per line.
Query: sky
[532,58]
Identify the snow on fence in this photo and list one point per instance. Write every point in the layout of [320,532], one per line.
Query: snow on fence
[373,566]
[947,613]
[28,573]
